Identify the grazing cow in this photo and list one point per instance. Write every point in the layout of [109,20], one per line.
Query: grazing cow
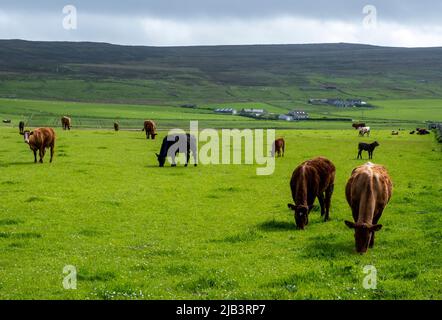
[357,126]
[368,192]
[364,131]
[150,128]
[6,121]
[413,132]
[116,126]
[394,133]
[174,144]
[21,127]
[66,123]
[367,147]
[278,147]
[309,181]
[40,139]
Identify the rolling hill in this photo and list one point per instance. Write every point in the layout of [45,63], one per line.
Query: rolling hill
[82,71]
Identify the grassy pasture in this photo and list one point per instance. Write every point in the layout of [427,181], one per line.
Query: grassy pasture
[388,114]
[136,231]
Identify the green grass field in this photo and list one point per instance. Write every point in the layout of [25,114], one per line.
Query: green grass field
[136,231]
[388,114]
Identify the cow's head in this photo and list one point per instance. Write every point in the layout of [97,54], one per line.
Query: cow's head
[301,215]
[154,135]
[363,234]
[161,160]
[376,144]
[26,135]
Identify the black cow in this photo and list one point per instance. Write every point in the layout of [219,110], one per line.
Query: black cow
[177,143]
[21,127]
[367,147]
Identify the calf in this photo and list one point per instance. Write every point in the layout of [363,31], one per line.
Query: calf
[367,147]
[278,147]
[174,144]
[150,128]
[364,131]
[116,126]
[368,192]
[21,127]
[66,123]
[40,139]
[309,181]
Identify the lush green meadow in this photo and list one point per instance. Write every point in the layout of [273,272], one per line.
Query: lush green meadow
[388,114]
[136,231]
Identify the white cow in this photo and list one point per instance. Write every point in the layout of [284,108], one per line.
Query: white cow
[364,131]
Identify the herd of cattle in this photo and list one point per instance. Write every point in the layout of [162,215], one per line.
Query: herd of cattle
[368,190]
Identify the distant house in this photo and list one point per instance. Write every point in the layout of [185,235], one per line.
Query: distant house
[317,101]
[299,115]
[226,111]
[285,117]
[342,103]
[252,112]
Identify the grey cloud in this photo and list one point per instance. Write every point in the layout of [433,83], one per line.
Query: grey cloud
[392,10]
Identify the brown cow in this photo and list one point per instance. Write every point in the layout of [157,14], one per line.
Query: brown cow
[116,126]
[368,192]
[66,123]
[358,125]
[150,128]
[278,147]
[40,139]
[312,179]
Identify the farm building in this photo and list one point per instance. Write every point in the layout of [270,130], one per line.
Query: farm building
[252,112]
[285,117]
[226,111]
[299,115]
[342,103]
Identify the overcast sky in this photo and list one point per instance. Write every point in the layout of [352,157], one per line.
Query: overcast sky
[409,23]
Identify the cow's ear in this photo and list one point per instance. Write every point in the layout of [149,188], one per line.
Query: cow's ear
[350,224]
[291,206]
[376,227]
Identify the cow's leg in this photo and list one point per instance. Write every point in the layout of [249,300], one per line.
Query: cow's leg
[328,196]
[187,157]
[173,155]
[35,156]
[42,154]
[360,154]
[321,203]
[52,153]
